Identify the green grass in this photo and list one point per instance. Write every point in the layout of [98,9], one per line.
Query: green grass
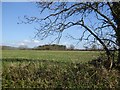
[62,56]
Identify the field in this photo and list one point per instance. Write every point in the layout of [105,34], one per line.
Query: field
[61,56]
[54,69]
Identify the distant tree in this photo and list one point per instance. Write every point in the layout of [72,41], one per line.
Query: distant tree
[23,47]
[71,47]
[51,47]
[94,47]
[86,48]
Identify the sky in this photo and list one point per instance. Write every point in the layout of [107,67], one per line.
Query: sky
[1,22]
[14,34]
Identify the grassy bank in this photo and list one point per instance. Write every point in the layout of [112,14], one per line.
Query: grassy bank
[53,74]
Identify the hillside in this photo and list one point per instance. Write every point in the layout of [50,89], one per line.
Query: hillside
[7,48]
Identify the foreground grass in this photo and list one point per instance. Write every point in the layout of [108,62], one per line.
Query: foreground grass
[55,69]
[54,74]
[61,56]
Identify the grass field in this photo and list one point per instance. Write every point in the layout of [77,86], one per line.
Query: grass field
[62,56]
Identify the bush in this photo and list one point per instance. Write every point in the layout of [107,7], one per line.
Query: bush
[53,74]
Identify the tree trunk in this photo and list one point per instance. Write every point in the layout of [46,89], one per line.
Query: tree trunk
[118,41]
[118,56]
[116,17]
[107,51]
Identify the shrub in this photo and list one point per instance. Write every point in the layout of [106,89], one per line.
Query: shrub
[53,74]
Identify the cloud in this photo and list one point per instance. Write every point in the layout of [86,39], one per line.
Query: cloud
[66,43]
[21,44]
[27,41]
[36,41]
[30,43]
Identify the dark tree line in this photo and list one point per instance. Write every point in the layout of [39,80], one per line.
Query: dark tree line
[51,47]
[100,19]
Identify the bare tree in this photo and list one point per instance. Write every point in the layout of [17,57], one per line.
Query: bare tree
[100,19]
[86,48]
[94,47]
[115,10]
[23,47]
[71,47]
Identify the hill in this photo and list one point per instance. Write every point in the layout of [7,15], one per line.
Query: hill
[7,48]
